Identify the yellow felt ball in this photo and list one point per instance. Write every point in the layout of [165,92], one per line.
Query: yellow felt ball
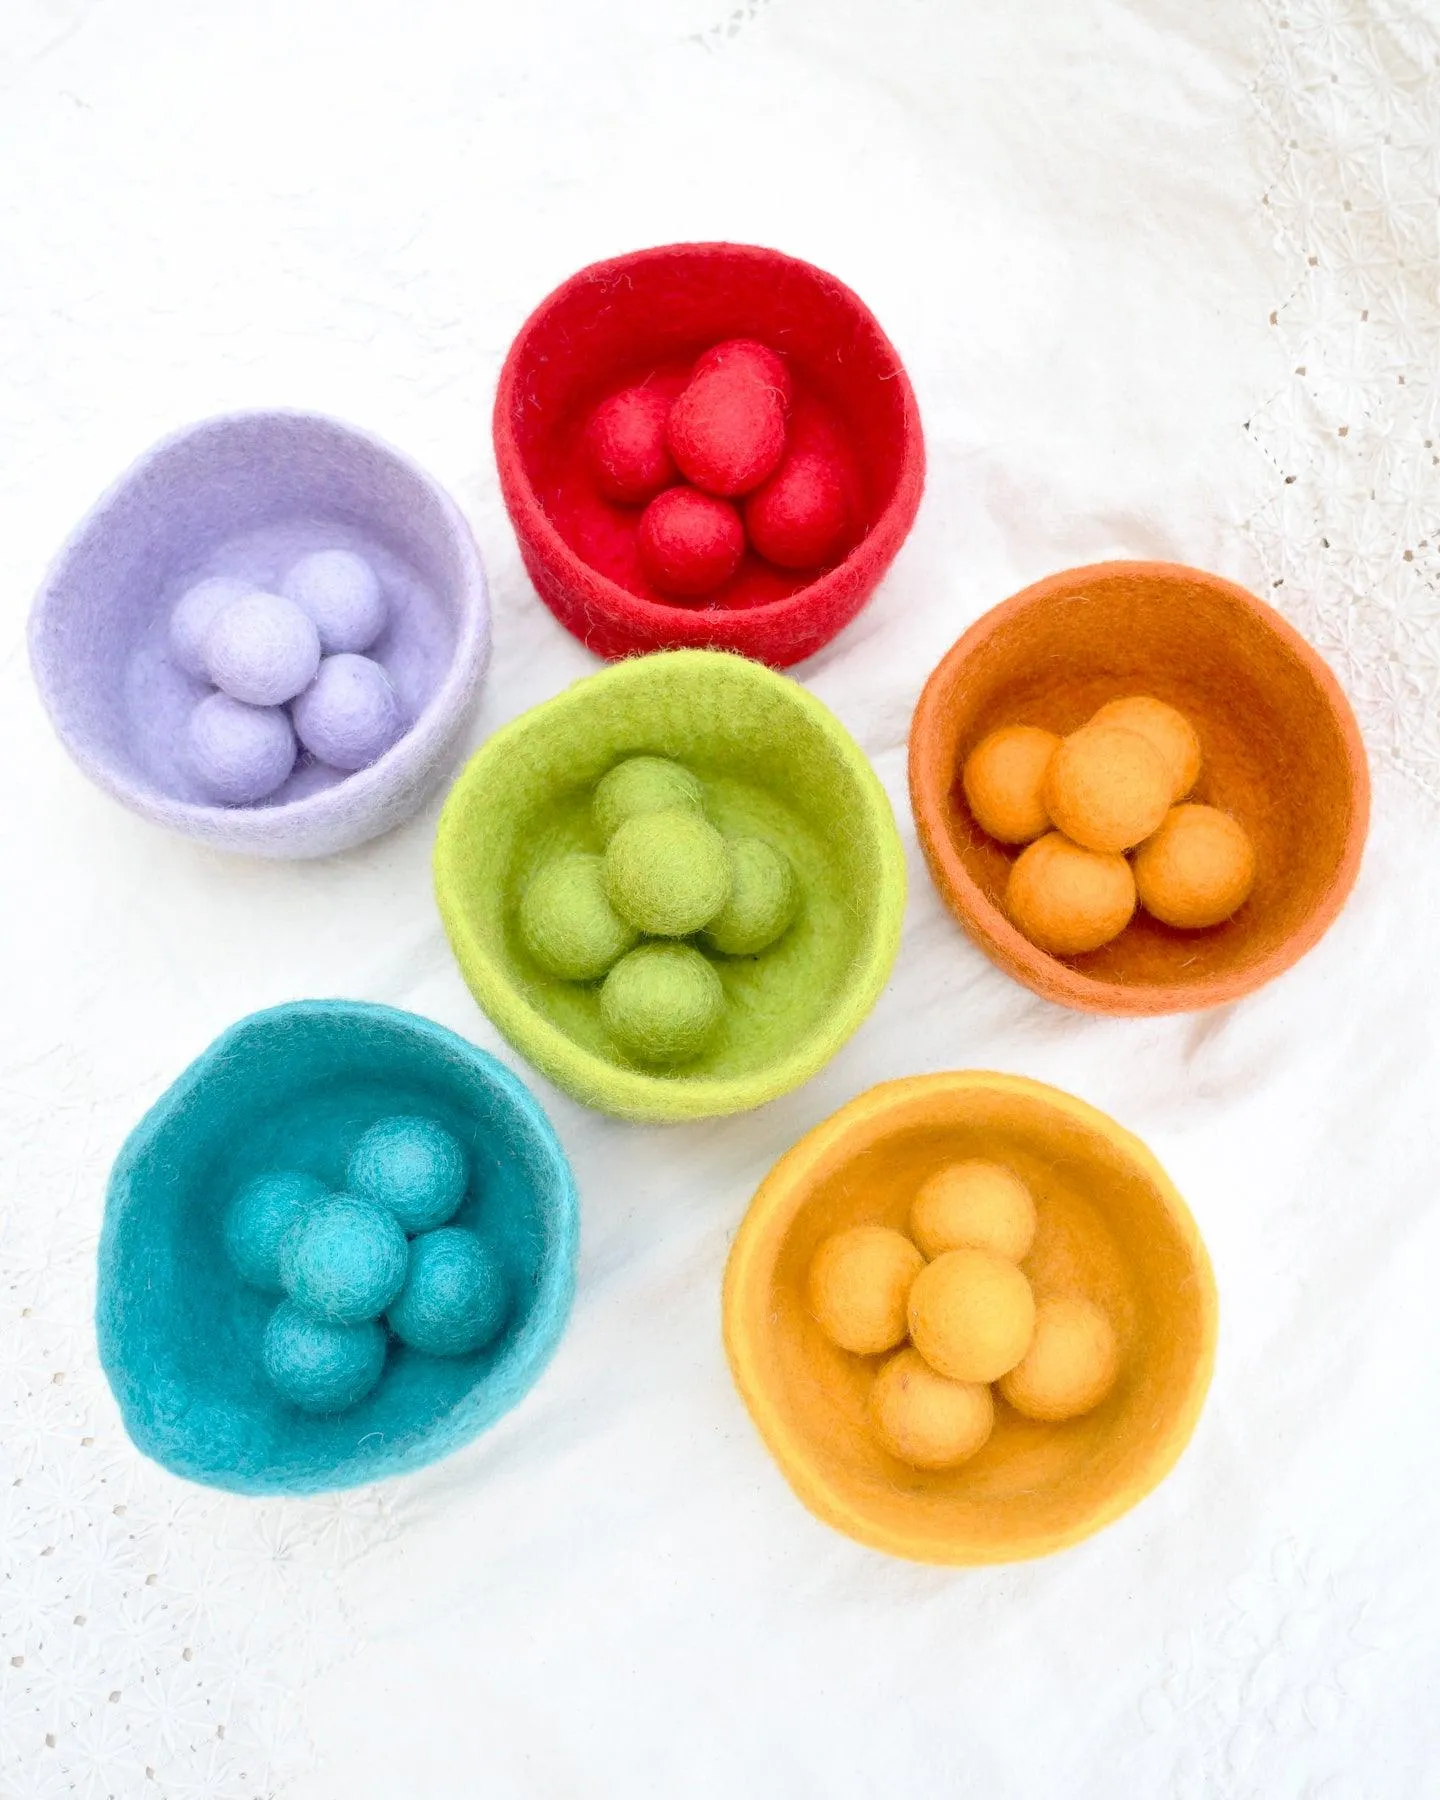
[1107,788]
[926,1420]
[1068,900]
[1198,868]
[859,1283]
[971,1315]
[1004,780]
[1071,1364]
[1169,731]
[979,1204]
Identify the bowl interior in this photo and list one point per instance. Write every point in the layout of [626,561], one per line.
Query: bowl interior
[1279,744]
[180,1336]
[1110,1227]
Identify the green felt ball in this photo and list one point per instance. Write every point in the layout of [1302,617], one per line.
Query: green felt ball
[764,898]
[668,873]
[642,784]
[567,921]
[662,1003]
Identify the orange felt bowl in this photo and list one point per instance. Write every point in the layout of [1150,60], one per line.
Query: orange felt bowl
[1281,752]
[1111,1226]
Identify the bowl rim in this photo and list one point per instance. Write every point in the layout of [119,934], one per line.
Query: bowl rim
[593,1079]
[247,828]
[772,1210]
[550,1301]
[1050,976]
[653,622]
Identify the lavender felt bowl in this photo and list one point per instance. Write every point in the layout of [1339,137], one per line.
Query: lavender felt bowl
[247,495]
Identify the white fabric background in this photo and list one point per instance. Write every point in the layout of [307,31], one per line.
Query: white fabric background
[1145,260]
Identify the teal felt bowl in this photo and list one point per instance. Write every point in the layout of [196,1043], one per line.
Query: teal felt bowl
[294,1087]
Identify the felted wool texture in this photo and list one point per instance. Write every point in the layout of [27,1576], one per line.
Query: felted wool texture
[797,518]
[975,1203]
[1169,731]
[342,594]
[662,1004]
[649,315]
[972,1314]
[349,716]
[296,1087]
[630,459]
[1107,788]
[1004,781]
[668,873]
[192,616]
[321,1365]
[1282,755]
[1110,1226]
[1068,900]
[261,649]
[642,784]
[567,922]
[859,1285]
[455,1296]
[258,1219]
[776,764]
[1197,870]
[763,900]
[413,1168]
[246,496]
[689,543]
[768,365]
[239,753]
[727,430]
[1072,1362]
[344,1260]
[925,1420]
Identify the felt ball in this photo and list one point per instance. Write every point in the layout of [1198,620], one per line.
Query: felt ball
[668,873]
[318,1365]
[1107,788]
[1004,781]
[341,593]
[642,784]
[764,898]
[689,543]
[1071,1364]
[971,1314]
[455,1296]
[261,649]
[195,612]
[859,1285]
[767,365]
[343,1260]
[349,715]
[797,518]
[1169,731]
[629,458]
[925,1419]
[662,1003]
[978,1204]
[567,922]
[239,753]
[258,1220]
[1198,868]
[727,430]
[1067,900]
[411,1167]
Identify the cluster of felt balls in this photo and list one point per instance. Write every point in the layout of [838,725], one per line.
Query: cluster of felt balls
[954,1287]
[384,1246]
[666,875]
[299,647]
[688,461]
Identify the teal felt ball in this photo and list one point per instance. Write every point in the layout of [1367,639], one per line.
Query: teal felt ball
[413,1168]
[764,898]
[318,1365]
[345,1260]
[259,1217]
[567,921]
[662,1003]
[642,784]
[668,873]
[455,1297]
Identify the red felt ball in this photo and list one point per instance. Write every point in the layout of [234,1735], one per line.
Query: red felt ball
[766,363]
[797,519]
[689,542]
[727,430]
[626,447]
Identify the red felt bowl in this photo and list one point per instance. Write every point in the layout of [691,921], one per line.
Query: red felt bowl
[645,317]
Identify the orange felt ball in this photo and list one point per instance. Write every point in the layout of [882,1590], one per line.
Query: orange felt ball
[926,1420]
[971,1315]
[1072,1362]
[625,444]
[1198,868]
[1169,731]
[1004,781]
[797,518]
[1107,788]
[1067,900]
[727,430]
[766,364]
[980,1204]
[689,543]
[859,1284]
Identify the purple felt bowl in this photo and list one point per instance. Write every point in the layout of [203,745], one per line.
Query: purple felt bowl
[247,495]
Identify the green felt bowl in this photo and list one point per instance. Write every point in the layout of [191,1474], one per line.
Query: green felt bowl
[776,763]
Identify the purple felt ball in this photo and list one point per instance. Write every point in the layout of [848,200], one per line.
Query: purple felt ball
[262,649]
[239,753]
[195,612]
[349,715]
[341,593]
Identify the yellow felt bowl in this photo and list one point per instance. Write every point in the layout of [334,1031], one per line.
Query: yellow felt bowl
[1111,1226]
